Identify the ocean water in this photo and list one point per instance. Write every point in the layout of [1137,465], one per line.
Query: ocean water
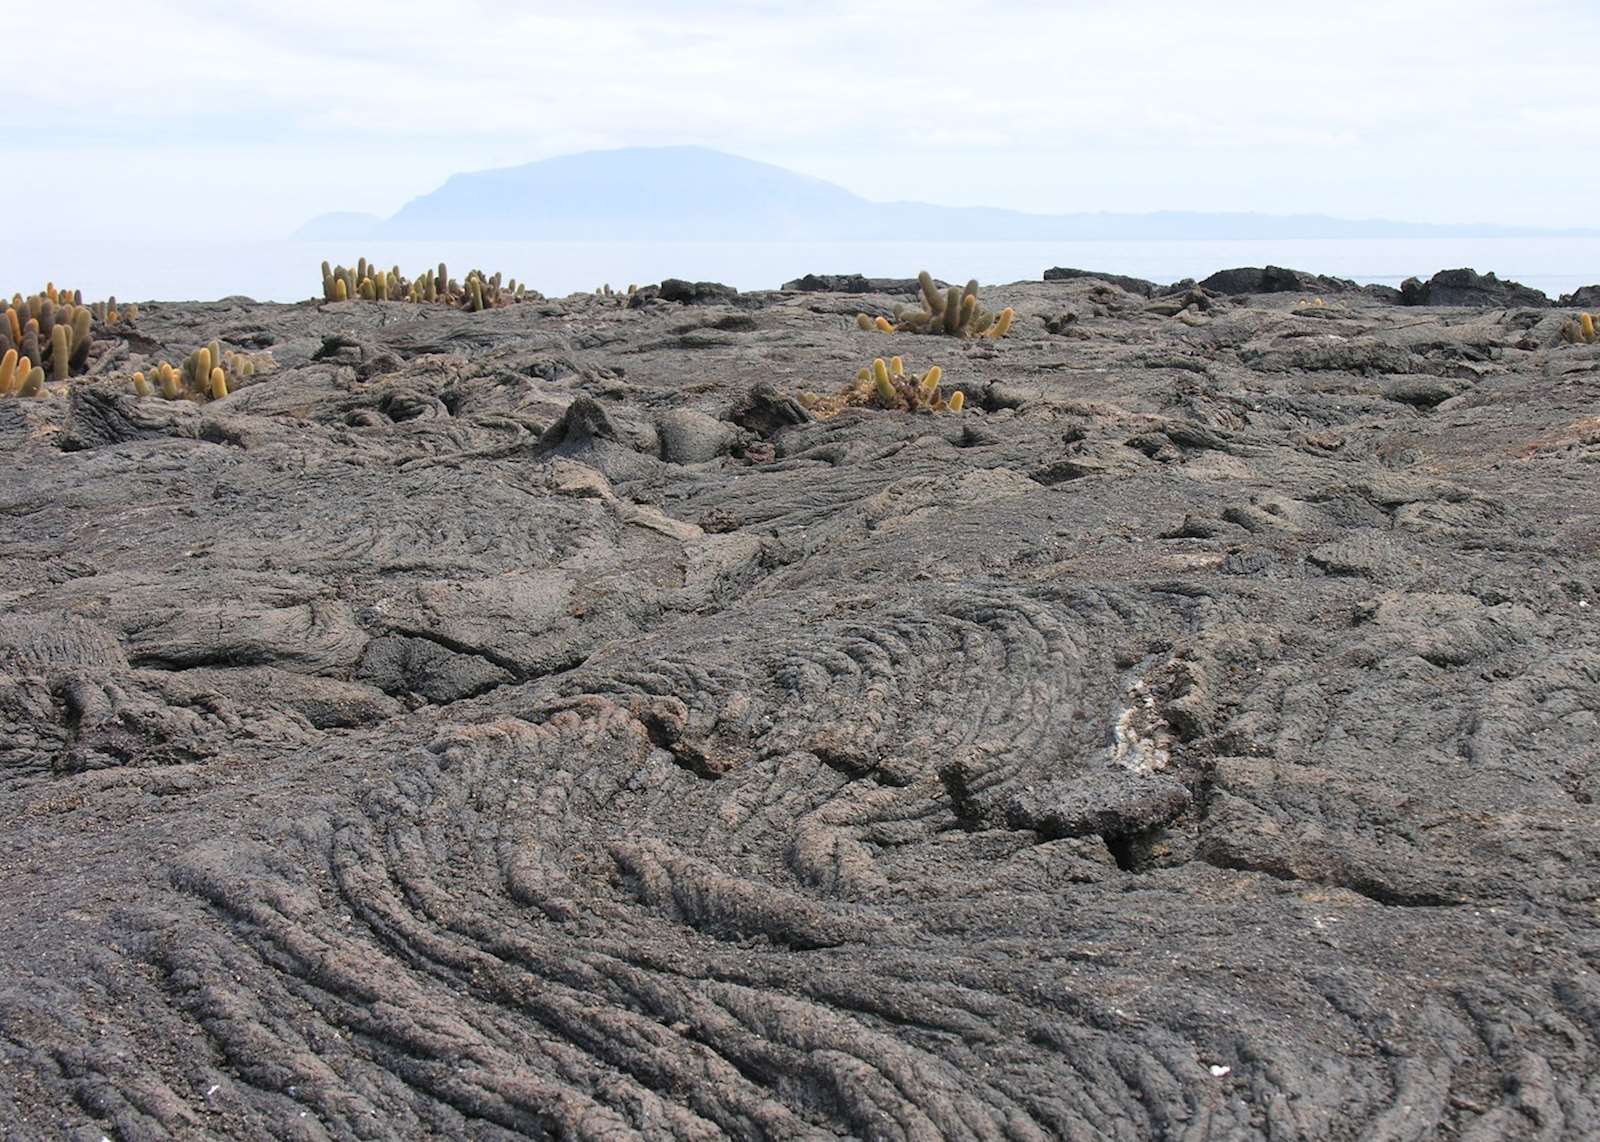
[289,271]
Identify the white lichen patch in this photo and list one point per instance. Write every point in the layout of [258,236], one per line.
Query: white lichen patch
[1141,742]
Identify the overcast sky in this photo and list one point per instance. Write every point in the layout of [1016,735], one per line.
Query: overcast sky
[245,118]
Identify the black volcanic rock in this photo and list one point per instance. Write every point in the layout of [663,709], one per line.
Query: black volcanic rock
[1109,803]
[764,410]
[1275,279]
[1586,298]
[1387,294]
[1467,287]
[584,424]
[696,293]
[850,283]
[563,733]
[1132,285]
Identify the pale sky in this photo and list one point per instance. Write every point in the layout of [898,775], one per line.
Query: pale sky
[244,118]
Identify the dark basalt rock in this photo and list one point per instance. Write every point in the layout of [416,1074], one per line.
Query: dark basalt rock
[404,666]
[1275,279]
[1121,281]
[689,436]
[1586,298]
[851,283]
[764,410]
[535,724]
[697,293]
[99,417]
[1108,803]
[1469,288]
[585,423]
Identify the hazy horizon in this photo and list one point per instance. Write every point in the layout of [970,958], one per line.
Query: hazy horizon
[1427,112]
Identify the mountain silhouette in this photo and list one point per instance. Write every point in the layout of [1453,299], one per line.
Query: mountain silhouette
[695,193]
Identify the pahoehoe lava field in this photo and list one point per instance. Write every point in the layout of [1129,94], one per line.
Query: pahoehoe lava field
[535,723]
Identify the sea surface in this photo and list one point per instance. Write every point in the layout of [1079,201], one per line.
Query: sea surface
[289,271]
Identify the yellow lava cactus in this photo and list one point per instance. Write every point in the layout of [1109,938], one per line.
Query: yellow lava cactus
[887,385]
